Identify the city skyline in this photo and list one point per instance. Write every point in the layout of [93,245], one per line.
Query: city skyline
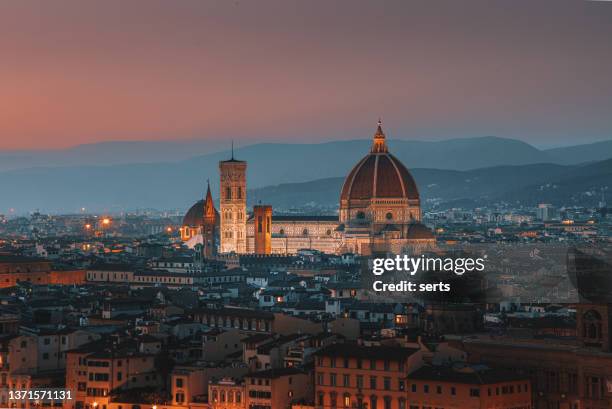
[306,205]
[304,72]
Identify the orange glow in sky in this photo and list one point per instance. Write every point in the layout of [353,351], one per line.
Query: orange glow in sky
[77,72]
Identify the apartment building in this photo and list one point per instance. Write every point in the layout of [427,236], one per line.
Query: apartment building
[467,387]
[95,370]
[350,375]
[276,388]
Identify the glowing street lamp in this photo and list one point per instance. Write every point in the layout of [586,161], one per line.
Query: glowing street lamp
[106,221]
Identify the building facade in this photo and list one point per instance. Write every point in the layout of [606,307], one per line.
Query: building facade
[379,211]
[564,374]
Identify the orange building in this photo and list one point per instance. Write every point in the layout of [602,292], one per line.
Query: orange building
[353,376]
[262,215]
[67,277]
[384,377]
[93,371]
[21,269]
[226,393]
[16,269]
[276,388]
[467,388]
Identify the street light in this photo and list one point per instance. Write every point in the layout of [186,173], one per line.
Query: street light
[106,221]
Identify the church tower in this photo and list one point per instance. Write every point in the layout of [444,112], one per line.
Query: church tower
[233,205]
[209,245]
[262,216]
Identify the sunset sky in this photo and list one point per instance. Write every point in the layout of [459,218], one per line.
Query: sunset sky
[74,72]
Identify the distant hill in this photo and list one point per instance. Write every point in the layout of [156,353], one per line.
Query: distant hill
[109,153]
[458,154]
[528,184]
[581,153]
[578,185]
[449,170]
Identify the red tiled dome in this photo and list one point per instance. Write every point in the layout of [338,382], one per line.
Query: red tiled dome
[379,175]
[195,215]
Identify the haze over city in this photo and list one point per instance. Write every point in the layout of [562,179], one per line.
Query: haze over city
[75,73]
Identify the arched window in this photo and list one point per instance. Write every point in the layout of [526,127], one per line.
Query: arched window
[360,215]
[347,400]
[305,232]
[228,193]
[389,216]
[591,327]
[281,231]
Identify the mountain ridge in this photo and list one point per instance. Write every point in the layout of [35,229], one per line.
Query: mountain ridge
[126,152]
[176,184]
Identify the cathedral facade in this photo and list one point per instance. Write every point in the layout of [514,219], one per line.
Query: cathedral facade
[379,212]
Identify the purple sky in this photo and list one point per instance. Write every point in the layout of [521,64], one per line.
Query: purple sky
[75,72]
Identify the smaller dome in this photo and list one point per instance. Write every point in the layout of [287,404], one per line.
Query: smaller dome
[202,209]
[419,231]
[195,215]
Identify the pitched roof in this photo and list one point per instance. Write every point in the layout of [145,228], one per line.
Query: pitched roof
[473,375]
[351,350]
